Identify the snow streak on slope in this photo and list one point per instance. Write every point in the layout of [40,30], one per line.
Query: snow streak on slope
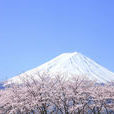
[71,63]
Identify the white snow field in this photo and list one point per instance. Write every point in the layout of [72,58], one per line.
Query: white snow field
[69,63]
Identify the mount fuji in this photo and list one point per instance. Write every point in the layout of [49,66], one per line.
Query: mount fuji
[69,63]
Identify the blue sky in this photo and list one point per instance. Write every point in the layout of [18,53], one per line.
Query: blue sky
[35,31]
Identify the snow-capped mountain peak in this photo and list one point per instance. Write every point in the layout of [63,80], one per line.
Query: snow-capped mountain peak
[71,63]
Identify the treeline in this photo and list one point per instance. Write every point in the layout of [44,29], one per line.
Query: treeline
[57,96]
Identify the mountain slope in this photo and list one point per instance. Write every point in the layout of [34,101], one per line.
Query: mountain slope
[70,63]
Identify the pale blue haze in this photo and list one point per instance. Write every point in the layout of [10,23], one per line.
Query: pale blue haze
[35,31]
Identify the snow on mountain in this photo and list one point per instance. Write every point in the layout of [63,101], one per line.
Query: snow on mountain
[70,63]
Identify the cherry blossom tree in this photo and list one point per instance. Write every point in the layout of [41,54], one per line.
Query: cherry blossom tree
[57,95]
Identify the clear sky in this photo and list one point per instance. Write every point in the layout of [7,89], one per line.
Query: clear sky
[35,31]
